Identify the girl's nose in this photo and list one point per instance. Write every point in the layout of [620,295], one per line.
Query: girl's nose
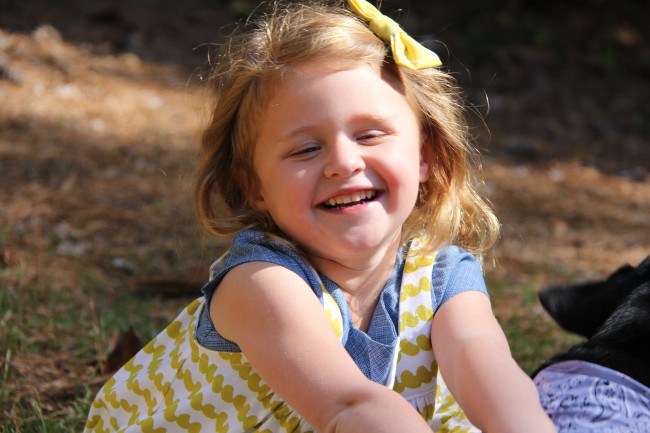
[344,159]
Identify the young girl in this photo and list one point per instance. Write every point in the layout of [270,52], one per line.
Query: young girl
[338,156]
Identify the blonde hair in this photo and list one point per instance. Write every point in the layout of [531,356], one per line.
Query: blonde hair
[251,64]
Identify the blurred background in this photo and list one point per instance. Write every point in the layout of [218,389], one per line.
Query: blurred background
[101,106]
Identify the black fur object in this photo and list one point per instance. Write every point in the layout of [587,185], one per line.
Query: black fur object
[613,314]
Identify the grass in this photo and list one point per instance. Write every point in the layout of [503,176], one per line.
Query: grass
[56,325]
[532,335]
[59,335]
[33,417]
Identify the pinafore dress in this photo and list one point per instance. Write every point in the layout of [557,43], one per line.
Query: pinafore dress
[176,385]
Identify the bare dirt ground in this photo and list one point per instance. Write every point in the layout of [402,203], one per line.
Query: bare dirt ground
[100,110]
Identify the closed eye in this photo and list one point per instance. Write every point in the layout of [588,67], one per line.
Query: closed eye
[305,151]
[371,137]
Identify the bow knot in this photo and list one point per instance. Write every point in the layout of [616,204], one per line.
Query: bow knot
[406,50]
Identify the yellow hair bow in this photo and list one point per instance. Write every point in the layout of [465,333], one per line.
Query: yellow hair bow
[406,50]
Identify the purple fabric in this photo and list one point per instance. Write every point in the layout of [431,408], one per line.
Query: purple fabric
[584,397]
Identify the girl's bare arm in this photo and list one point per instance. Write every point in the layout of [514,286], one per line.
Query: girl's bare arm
[284,332]
[475,361]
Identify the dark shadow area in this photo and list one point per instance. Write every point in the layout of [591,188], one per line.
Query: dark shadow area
[553,80]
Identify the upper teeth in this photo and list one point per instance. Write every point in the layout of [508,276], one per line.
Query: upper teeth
[350,198]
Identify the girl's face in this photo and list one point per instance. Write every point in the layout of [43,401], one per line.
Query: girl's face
[339,161]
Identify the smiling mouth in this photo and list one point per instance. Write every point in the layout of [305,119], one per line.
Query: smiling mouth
[348,200]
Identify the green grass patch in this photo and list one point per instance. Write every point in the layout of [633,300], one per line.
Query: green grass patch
[531,333]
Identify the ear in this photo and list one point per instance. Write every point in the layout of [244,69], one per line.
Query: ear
[251,190]
[257,202]
[426,158]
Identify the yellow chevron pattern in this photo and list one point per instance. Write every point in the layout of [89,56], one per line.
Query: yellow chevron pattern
[417,375]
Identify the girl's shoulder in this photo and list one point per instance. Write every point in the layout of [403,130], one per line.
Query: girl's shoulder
[256,246]
[253,245]
[452,258]
[447,260]
[248,246]
[455,271]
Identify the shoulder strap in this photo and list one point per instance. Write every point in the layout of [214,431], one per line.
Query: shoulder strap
[416,369]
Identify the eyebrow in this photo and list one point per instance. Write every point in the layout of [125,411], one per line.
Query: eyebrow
[300,130]
[359,118]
